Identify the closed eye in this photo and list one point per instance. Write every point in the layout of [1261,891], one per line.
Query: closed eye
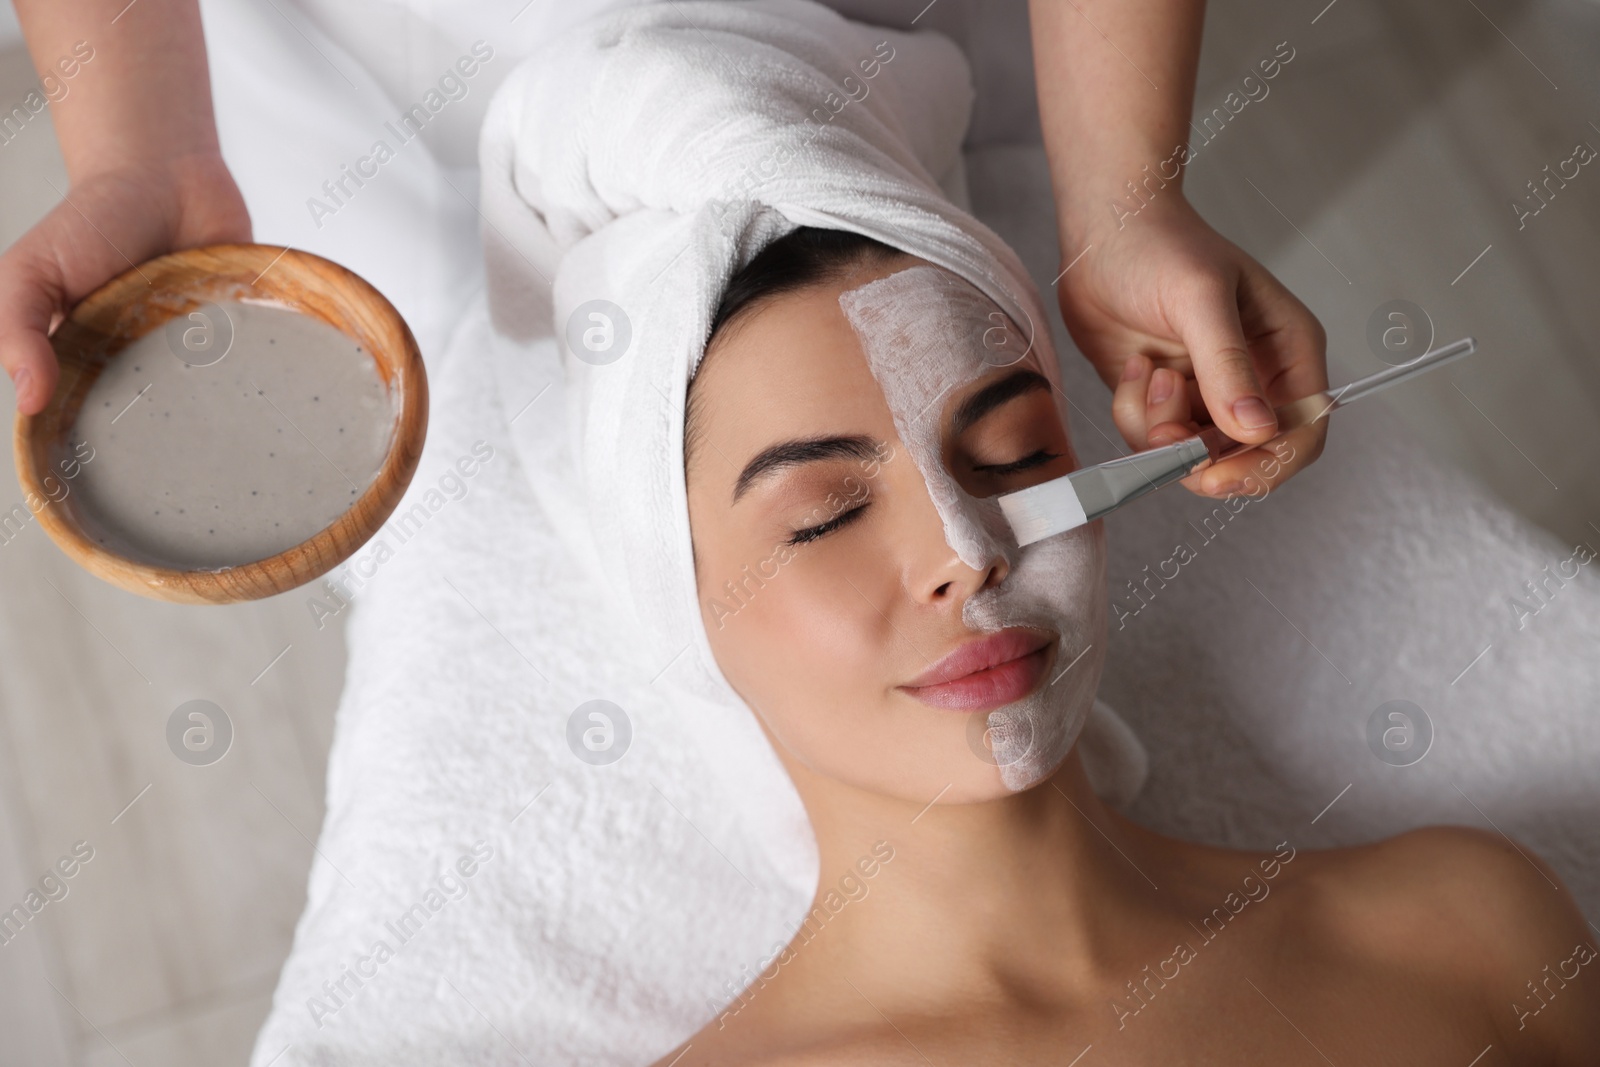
[1037,459]
[824,529]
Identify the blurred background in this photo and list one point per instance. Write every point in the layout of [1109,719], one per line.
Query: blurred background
[1383,165]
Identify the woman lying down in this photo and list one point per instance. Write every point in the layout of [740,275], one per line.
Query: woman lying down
[855,411]
[831,373]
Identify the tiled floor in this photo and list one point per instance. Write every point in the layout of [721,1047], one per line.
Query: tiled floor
[1381,166]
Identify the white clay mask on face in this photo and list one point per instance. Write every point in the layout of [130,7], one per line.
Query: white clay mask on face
[927,333]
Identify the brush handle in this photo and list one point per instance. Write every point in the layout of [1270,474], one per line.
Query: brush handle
[1089,493]
[1103,488]
[1310,409]
[1291,416]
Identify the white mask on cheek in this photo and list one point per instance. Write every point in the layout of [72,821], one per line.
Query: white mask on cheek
[927,333]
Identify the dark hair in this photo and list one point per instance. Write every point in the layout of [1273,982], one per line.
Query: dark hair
[803,257]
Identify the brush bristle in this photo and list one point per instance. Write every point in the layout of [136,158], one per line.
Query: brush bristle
[1043,510]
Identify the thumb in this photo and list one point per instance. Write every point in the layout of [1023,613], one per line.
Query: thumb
[31,362]
[1209,328]
[28,302]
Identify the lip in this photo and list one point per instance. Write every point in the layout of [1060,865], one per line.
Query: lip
[986,673]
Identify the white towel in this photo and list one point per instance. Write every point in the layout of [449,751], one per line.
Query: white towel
[620,901]
[601,157]
[642,160]
[645,158]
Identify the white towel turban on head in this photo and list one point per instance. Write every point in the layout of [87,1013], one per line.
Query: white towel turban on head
[630,168]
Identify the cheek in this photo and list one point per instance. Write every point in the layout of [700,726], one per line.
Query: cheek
[1068,570]
[798,634]
[1066,579]
[1056,584]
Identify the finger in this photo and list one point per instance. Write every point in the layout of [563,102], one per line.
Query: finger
[29,304]
[1288,338]
[1261,470]
[31,362]
[1167,408]
[1296,343]
[1168,398]
[1210,328]
[1129,400]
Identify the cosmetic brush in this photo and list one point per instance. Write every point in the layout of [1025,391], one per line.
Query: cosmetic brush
[1065,503]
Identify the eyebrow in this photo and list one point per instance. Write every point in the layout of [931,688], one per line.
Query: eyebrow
[993,395]
[790,454]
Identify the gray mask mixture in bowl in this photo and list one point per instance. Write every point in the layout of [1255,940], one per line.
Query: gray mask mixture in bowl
[208,462]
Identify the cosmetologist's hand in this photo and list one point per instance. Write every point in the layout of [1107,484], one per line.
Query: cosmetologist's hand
[109,221]
[1189,330]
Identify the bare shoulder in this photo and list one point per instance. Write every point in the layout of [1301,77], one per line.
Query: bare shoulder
[1472,909]
[1495,894]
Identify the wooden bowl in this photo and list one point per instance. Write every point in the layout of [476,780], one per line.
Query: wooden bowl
[143,299]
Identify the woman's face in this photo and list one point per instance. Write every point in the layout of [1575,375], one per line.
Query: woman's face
[844,545]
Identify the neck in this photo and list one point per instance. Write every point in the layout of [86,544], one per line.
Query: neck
[1030,887]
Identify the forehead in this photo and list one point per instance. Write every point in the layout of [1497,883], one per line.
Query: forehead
[790,366]
[929,325]
[799,357]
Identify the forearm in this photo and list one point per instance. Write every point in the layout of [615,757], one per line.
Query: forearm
[138,92]
[1116,91]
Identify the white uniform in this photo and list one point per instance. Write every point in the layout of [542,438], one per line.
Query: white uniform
[406,45]
[307,91]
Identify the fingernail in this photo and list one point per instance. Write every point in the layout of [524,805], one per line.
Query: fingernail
[1160,387]
[1134,368]
[21,380]
[1252,413]
[1228,489]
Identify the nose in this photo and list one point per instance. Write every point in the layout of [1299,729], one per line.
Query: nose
[952,581]
[954,556]
[948,547]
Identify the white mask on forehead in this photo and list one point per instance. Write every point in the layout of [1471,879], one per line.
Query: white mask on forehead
[926,333]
